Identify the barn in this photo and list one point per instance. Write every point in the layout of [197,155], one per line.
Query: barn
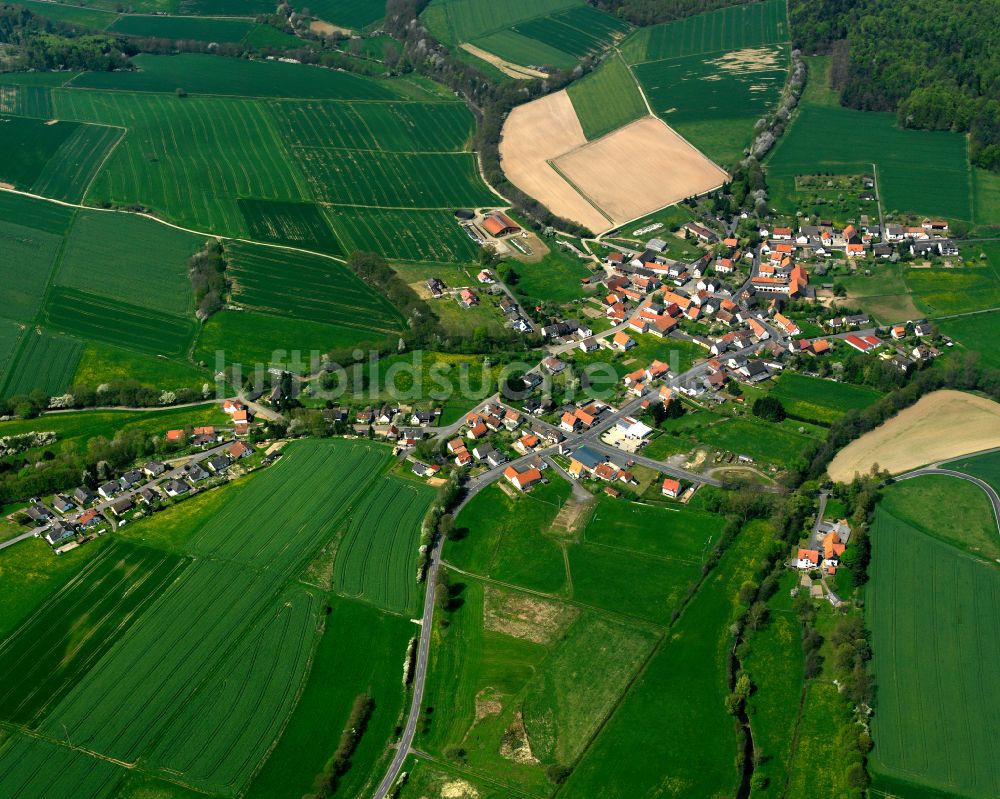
[499,224]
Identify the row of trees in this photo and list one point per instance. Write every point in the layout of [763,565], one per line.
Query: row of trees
[207,270]
[887,56]
[650,12]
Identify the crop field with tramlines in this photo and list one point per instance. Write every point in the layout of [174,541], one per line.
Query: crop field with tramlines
[27,256]
[405,127]
[91,316]
[933,728]
[305,286]
[30,768]
[404,235]
[606,99]
[295,224]
[193,666]
[376,559]
[59,642]
[354,14]
[198,29]
[45,361]
[187,159]
[146,253]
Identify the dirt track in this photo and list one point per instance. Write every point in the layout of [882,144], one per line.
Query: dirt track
[506,67]
[639,169]
[943,425]
[536,133]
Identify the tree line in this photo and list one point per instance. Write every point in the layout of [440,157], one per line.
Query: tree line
[933,64]
[651,12]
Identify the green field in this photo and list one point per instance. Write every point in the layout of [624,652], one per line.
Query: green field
[295,224]
[714,100]
[112,321]
[579,31]
[985,467]
[403,127]
[403,235]
[817,767]
[350,659]
[59,642]
[10,337]
[145,253]
[32,100]
[187,159]
[106,363]
[934,720]
[30,767]
[660,532]
[307,287]
[918,503]
[199,29]
[824,137]
[759,440]
[45,361]
[456,21]
[735,28]
[555,278]
[606,99]
[512,46]
[355,14]
[54,159]
[943,291]
[969,333]
[376,558]
[672,729]
[249,338]
[201,681]
[27,256]
[96,17]
[206,74]
[38,215]
[820,400]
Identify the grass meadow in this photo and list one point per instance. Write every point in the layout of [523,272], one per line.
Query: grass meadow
[101,362]
[823,401]
[88,17]
[658,532]
[816,768]
[761,441]
[606,99]
[671,727]
[199,29]
[969,332]
[944,292]
[985,467]
[556,278]
[933,721]
[356,14]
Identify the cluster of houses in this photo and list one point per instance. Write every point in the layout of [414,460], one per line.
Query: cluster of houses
[240,413]
[824,239]
[82,509]
[825,548]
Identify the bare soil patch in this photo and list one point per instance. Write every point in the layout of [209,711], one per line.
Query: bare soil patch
[614,171]
[536,133]
[487,704]
[526,617]
[458,789]
[749,60]
[506,67]
[943,425]
[571,515]
[326,28]
[515,745]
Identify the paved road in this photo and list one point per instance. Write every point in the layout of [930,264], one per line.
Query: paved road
[990,491]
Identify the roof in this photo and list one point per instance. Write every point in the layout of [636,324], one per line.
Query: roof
[622,338]
[810,555]
[669,484]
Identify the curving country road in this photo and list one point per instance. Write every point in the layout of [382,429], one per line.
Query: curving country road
[990,491]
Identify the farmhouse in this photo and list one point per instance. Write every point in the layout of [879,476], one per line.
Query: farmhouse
[863,343]
[807,559]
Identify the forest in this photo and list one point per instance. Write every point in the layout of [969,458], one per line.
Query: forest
[651,12]
[930,62]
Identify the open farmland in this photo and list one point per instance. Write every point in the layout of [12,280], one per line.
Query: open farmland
[59,642]
[942,425]
[985,467]
[376,559]
[944,291]
[355,14]
[187,159]
[301,225]
[712,76]
[820,400]
[94,317]
[202,681]
[92,15]
[662,532]
[823,137]
[933,728]
[404,127]
[29,144]
[305,286]
[145,254]
[206,74]
[455,21]
[671,728]
[735,28]
[393,180]
[403,235]
[31,100]
[45,361]
[969,332]
[606,99]
[27,256]
[30,767]
[758,440]
[198,29]
[10,337]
